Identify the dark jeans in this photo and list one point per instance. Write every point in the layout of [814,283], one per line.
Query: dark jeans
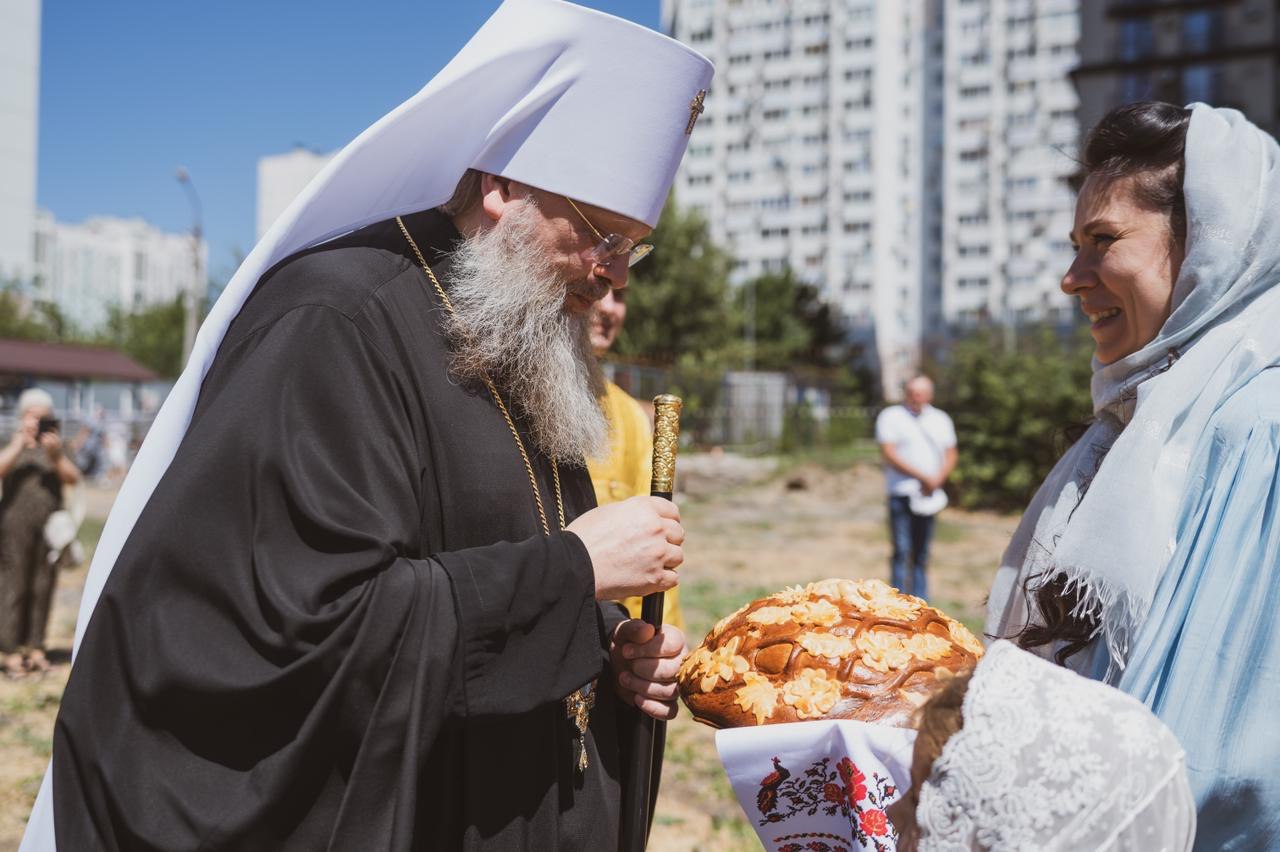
[910,535]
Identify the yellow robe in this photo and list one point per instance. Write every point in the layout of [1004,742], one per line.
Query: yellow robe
[626,473]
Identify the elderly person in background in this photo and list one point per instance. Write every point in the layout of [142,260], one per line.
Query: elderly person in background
[34,469]
[918,445]
[1022,755]
[1150,557]
[627,470]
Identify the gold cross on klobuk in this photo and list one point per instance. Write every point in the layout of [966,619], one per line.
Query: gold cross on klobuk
[695,110]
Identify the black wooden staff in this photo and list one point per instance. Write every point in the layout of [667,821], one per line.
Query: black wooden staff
[650,734]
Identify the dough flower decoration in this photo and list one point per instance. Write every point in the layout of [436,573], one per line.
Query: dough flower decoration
[758,696]
[883,650]
[829,645]
[812,694]
[723,664]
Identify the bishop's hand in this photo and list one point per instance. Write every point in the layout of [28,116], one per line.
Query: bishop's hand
[645,664]
[635,546]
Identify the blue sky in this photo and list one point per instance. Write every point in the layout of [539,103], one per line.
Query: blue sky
[129,91]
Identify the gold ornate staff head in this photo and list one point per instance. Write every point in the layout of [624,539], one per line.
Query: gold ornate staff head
[666,440]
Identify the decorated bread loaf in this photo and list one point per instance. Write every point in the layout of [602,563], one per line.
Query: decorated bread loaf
[835,649]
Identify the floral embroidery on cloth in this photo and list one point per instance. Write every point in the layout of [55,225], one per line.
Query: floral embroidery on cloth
[844,790]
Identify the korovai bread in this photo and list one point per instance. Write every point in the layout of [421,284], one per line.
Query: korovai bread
[834,649]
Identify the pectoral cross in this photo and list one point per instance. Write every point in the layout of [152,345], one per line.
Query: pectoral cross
[578,706]
[695,110]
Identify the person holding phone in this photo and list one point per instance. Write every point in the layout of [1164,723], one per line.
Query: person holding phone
[34,469]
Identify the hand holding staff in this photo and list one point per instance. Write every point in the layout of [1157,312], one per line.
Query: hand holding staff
[649,734]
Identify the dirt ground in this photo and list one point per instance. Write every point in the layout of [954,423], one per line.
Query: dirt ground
[753,527]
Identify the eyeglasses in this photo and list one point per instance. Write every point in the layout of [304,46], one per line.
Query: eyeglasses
[613,245]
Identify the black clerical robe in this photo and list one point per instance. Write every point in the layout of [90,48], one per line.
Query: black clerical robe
[337,623]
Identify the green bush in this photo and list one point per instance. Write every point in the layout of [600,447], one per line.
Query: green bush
[1014,409]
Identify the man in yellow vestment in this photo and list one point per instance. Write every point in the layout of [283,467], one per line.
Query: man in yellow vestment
[626,472]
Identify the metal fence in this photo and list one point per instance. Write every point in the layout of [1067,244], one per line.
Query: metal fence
[751,411]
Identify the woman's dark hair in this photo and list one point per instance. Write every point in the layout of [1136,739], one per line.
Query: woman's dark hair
[1056,605]
[1147,141]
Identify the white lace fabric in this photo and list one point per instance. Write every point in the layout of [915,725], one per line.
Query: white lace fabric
[1048,760]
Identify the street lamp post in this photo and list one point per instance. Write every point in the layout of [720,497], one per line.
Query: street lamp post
[189,293]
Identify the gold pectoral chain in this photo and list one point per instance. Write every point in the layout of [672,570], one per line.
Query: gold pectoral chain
[579,703]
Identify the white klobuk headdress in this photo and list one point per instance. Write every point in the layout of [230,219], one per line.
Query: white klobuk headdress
[1053,761]
[554,95]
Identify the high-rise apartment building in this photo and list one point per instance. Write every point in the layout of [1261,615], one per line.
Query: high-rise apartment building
[908,156]
[1224,53]
[811,154]
[86,268]
[1009,143]
[281,177]
[19,104]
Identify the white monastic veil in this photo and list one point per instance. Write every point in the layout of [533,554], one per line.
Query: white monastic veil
[1106,515]
[516,100]
[1052,761]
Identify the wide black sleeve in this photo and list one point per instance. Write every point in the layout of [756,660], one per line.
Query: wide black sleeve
[273,659]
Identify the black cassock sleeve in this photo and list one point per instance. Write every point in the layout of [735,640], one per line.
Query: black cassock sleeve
[277,651]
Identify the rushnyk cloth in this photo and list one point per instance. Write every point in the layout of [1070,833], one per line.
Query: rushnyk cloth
[524,99]
[820,785]
[1106,514]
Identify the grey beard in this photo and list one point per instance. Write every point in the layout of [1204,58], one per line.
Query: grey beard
[509,323]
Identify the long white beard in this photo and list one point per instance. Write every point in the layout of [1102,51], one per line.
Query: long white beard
[510,323]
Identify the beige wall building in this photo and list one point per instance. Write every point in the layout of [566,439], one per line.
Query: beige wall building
[19,107]
[1225,53]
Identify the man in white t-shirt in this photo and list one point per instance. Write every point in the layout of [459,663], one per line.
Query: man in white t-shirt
[918,444]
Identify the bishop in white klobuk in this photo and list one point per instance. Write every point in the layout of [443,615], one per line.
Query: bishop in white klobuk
[336,604]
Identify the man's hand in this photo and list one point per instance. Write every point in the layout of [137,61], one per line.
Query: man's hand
[645,666]
[635,546]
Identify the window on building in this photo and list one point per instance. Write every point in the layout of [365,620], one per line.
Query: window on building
[1200,83]
[1135,86]
[1137,39]
[1201,30]
[139,266]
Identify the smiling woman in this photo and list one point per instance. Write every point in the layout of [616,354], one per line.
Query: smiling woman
[1130,227]
[1150,556]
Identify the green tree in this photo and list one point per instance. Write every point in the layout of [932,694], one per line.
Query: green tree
[1015,411]
[151,335]
[795,328]
[678,306]
[768,308]
[18,319]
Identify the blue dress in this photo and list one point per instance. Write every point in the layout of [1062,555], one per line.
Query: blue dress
[1207,659]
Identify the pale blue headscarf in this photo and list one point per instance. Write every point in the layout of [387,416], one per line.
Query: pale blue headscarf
[1105,516]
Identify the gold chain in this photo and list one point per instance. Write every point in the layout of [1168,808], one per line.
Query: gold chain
[497,398]
[579,704]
